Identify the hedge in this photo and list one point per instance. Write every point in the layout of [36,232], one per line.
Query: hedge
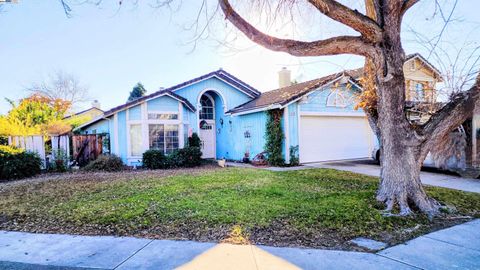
[16,163]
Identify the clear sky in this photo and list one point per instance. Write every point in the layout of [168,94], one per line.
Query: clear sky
[110,50]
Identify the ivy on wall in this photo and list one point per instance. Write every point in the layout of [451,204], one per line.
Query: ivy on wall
[274,138]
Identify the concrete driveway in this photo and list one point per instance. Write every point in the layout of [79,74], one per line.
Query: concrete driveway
[434,178]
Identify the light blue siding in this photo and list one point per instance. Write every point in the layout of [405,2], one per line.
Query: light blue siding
[163,103]
[293,124]
[317,101]
[232,142]
[122,135]
[233,97]
[135,113]
[101,126]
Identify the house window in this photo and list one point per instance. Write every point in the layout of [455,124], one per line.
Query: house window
[162,116]
[336,99]
[163,137]
[135,140]
[419,92]
[207,111]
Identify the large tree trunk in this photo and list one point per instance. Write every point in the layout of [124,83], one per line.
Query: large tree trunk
[400,178]
[401,149]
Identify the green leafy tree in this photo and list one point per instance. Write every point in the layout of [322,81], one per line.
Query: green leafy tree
[138,91]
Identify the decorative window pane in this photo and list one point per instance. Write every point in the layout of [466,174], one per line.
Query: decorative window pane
[162,116]
[207,111]
[135,140]
[336,99]
[171,138]
[156,137]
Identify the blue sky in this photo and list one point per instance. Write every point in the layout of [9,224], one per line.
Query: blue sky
[111,51]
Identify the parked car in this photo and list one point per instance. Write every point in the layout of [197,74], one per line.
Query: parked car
[453,164]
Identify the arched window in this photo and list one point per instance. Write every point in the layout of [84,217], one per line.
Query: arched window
[336,99]
[207,110]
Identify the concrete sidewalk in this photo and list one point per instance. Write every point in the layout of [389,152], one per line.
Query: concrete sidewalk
[457,247]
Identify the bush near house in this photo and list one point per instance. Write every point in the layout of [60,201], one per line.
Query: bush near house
[194,140]
[182,158]
[16,163]
[108,163]
[154,159]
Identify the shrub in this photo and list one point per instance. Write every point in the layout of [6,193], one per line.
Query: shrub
[16,163]
[194,140]
[294,160]
[154,159]
[107,163]
[192,156]
[186,157]
[274,138]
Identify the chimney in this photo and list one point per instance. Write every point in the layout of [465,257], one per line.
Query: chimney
[96,104]
[284,77]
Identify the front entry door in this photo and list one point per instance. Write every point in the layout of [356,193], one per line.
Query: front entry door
[207,136]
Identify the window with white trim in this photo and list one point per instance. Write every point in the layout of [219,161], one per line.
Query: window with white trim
[162,116]
[163,137]
[336,99]
[135,133]
[207,109]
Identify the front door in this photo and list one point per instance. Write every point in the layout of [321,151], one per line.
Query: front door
[207,136]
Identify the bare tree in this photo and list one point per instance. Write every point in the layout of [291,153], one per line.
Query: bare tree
[62,85]
[377,38]
[404,146]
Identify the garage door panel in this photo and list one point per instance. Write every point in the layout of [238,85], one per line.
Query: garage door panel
[324,138]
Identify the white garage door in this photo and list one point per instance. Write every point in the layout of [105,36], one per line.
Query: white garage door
[324,138]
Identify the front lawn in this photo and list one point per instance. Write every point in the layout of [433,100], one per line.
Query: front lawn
[315,208]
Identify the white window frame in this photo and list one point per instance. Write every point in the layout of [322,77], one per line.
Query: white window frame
[144,122]
[332,100]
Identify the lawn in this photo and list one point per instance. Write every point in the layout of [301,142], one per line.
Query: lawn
[314,208]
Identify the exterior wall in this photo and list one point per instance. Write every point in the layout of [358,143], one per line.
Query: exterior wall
[102,126]
[122,135]
[135,113]
[164,103]
[290,123]
[231,97]
[230,137]
[416,72]
[245,133]
[316,101]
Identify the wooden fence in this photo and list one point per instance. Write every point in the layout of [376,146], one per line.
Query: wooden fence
[88,147]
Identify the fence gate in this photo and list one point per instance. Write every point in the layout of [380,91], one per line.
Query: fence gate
[87,147]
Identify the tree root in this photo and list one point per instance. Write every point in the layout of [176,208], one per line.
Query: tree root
[426,205]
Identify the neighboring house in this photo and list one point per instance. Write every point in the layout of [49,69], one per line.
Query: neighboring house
[421,79]
[230,117]
[91,113]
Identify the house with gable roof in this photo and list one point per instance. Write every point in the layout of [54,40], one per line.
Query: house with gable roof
[229,115]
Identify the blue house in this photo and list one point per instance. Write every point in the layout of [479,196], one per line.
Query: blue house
[230,117]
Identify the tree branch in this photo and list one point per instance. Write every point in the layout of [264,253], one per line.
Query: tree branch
[369,29]
[451,115]
[332,46]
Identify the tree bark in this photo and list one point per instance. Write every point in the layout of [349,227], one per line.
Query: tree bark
[401,148]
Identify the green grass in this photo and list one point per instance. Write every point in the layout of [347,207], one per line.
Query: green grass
[310,203]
